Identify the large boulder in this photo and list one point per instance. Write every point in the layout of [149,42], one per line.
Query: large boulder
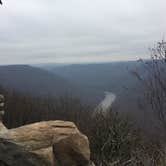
[59,142]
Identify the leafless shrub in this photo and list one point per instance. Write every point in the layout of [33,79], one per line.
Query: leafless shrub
[154,81]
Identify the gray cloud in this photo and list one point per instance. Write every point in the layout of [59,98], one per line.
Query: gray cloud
[37,31]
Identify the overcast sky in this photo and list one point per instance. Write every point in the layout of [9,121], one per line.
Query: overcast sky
[42,31]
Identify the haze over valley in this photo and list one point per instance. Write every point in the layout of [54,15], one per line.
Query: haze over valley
[89,82]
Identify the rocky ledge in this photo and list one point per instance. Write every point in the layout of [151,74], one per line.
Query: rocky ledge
[51,143]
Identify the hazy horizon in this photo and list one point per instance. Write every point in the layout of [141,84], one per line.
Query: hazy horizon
[74,63]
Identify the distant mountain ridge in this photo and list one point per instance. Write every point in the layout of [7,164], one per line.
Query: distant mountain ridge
[87,81]
[93,80]
[33,80]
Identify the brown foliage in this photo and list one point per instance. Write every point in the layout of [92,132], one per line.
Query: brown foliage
[114,140]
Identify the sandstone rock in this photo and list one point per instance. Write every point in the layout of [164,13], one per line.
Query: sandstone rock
[70,146]
[72,150]
[3,129]
[47,154]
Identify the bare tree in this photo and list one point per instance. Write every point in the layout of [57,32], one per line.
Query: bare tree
[155,81]
[0,2]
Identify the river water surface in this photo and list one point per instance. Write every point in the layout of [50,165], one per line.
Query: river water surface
[106,103]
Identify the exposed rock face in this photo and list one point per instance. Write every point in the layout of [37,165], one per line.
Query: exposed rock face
[3,129]
[59,142]
[47,154]
[13,155]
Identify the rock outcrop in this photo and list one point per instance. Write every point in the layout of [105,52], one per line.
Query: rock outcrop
[58,142]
